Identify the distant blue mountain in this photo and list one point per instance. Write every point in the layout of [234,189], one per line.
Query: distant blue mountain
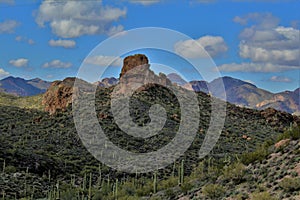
[21,87]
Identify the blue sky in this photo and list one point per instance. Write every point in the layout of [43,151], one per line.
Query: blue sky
[257,41]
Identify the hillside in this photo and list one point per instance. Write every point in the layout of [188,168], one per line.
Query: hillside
[43,156]
[32,102]
[41,151]
[21,87]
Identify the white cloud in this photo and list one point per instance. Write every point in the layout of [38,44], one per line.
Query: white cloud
[21,62]
[279,45]
[62,43]
[268,46]
[250,81]
[255,67]
[31,41]
[104,61]
[69,19]
[268,42]
[213,45]
[115,30]
[24,39]
[145,2]
[8,26]
[262,20]
[280,79]
[3,73]
[57,64]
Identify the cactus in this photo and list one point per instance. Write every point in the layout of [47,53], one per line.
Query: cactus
[3,166]
[100,175]
[117,188]
[179,182]
[155,183]
[58,192]
[90,187]
[182,171]
[173,172]
[73,180]
[49,175]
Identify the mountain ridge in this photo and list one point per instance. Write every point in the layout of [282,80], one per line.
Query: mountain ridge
[236,91]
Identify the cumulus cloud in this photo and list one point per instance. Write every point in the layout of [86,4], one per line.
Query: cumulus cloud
[62,43]
[57,64]
[269,46]
[70,19]
[24,39]
[213,45]
[282,79]
[255,67]
[3,73]
[8,26]
[101,60]
[279,45]
[21,62]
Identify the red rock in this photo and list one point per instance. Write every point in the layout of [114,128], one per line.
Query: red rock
[282,143]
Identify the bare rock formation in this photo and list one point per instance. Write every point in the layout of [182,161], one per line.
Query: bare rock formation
[59,95]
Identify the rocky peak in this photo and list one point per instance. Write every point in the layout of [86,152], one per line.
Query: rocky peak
[140,76]
[133,61]
[59,95]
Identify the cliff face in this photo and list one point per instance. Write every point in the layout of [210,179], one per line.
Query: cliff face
[59,95]
[133,61]
[136,72]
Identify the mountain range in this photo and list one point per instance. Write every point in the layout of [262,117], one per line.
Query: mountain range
[236,91]
[244,94]
[21,87]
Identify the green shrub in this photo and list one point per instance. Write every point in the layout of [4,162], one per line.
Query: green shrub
[185,187]
[10,169]
[262,196]
[292,133]
[213,191]
[290,184]
[257,155]
[234,172]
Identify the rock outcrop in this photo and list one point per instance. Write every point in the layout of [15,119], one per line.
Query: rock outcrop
[107,82]
[59,95]
[136,73]
[133,61]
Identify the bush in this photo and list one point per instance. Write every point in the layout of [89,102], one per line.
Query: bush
[185,187]
[213,191]
[257,155]
[290,184]
[234,172]
[292,133]
[262,196]
[10,169]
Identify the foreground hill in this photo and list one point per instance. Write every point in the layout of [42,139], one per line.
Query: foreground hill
[39,151]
